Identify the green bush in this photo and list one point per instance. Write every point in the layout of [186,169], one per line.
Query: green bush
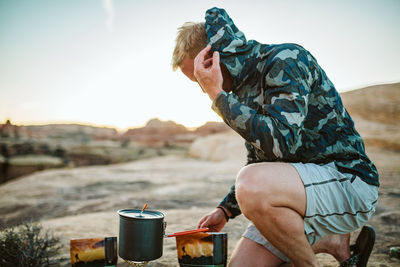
[28,245]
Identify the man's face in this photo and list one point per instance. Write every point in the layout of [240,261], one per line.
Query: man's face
[187,67]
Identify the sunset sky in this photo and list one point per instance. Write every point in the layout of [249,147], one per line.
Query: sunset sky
[108,62]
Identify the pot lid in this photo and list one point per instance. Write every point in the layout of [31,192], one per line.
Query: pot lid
[135,214]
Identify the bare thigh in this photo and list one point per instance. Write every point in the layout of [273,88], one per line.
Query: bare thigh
[249,253]
[272,184]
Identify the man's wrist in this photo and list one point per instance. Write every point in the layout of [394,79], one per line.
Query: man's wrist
[226,212]
[212,94]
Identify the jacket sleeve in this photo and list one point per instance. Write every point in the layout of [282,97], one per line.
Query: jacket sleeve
[230,201]
[276,128]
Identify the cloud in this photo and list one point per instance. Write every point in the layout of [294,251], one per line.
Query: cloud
[109,8]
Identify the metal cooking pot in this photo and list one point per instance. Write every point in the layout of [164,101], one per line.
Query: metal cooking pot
[140,235]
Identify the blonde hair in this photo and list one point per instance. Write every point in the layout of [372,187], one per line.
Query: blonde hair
[190,40]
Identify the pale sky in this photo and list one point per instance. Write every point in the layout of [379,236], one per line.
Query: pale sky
[108,62]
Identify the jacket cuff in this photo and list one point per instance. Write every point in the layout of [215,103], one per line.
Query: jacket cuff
[230,203]
[220,101]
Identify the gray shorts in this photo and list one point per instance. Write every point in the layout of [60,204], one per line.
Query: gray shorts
[337,203]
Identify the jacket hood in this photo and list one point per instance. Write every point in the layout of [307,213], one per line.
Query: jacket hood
[225,37]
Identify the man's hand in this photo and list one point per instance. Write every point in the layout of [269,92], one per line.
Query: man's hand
[208,72]
[215,220]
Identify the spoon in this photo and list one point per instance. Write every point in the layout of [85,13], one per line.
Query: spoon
[144,207]
[189,232]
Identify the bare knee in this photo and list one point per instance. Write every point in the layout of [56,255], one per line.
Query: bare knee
[252,191]
[263,186]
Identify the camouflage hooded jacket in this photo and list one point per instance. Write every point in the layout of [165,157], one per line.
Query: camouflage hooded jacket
[283,105]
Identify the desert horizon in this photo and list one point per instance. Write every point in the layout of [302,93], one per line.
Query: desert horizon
[95,125]
[124,129]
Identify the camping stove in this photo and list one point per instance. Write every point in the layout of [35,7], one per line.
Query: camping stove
[137,263]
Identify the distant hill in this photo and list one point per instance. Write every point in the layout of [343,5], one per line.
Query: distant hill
[157,132]
[380,103]
[50,130]
[376,113]
[211,127]
[169,132]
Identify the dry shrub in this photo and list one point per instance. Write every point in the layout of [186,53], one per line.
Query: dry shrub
[28,245]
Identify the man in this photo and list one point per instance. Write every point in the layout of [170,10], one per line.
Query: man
[308,182]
